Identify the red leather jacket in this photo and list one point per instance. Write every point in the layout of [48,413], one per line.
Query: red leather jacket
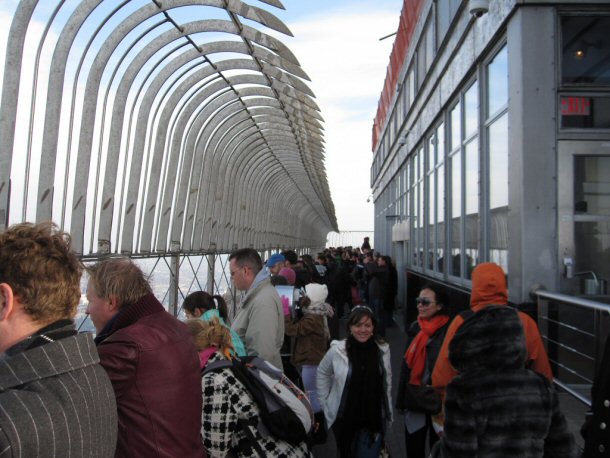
[154,369]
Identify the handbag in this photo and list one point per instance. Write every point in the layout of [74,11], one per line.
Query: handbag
[421,398]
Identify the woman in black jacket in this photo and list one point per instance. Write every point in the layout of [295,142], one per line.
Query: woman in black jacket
[416,399]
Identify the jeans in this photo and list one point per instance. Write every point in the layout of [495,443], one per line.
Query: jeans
[367,445]
[308,374]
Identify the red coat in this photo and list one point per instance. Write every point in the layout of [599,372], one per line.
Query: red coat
[154,369]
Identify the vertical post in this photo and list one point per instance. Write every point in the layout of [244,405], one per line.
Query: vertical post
[173,284]
[211,269]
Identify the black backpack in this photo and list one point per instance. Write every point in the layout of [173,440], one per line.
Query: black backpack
[285,410]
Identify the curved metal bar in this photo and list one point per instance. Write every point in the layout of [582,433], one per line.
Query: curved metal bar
[8,105]
[190,153]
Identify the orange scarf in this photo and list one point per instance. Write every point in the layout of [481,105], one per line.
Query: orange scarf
[415,355]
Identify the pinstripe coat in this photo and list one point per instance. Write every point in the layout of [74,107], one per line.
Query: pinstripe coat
[56,401]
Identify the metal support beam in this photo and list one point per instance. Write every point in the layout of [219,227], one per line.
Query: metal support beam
[174,285]
[210,288]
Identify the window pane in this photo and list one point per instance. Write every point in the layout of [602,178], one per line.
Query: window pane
[431,152]
[429,46]
[471,110]
[456,213]
[411,86]
[414,209]
[443,19]
[440,217]
[456,127]
[431,220]
[497,80]
[591,213]
[472,206]
[440,144]
[584,49]
[420,226]
[421,62]
[498,192]
[405,97]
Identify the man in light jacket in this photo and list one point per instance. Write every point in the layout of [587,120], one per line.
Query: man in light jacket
[260,320]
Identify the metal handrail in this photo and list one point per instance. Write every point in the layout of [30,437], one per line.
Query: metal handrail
[586,401]
[573,300]
[578,302]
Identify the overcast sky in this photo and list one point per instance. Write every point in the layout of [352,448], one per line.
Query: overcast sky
[337,43]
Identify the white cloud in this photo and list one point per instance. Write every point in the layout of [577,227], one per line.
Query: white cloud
[347,63]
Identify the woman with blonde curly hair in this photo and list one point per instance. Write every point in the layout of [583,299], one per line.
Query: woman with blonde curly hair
[230,415]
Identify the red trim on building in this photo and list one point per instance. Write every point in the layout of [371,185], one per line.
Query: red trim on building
[408,21]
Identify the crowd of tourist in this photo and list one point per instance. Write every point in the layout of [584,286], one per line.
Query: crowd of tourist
[473,384]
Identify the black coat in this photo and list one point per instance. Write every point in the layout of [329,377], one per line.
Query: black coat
[433,347]
[596,430]
[379,281]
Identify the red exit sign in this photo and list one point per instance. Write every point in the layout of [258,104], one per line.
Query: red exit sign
[575,106]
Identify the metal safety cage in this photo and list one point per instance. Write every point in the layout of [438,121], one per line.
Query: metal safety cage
[152,127]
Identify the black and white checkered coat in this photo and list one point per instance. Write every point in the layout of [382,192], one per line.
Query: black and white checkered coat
[57,401]
[225,402]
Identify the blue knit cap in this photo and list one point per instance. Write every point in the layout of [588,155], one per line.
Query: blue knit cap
[274,259]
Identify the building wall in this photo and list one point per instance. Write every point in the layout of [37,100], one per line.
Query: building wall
[465,170]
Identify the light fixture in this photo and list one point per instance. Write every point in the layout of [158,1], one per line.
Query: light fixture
[582,47]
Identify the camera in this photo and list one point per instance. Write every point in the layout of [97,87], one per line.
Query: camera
[478,7]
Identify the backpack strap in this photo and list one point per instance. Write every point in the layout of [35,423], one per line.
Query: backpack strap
[465,314]
[246,426]
[216,366]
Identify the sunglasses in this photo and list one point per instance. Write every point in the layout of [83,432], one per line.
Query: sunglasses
[423,301]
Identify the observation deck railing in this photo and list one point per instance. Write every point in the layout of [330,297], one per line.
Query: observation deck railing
[574,329]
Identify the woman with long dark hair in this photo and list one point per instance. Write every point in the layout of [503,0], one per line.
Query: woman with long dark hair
[354,385]
[416,398]
[205,307]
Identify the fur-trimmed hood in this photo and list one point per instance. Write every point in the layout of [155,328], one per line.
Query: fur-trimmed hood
[492,339]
